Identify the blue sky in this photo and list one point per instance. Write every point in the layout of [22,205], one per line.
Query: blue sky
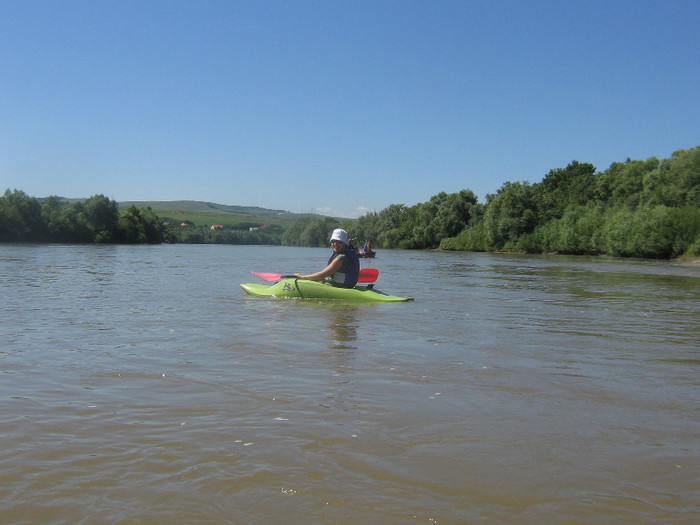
[336,107]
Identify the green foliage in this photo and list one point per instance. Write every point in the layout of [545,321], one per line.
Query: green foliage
[99,217]
[576,232]
[20,218]
[193,234]
[510,214]
[444,216]
[396,226]
[140,226]
[560,189]
[421,226]
[676,181]
[94,220]
[390,228]
[310,231]
[472,239]
[652,232]
[98,220]
[622,184]
[634,208]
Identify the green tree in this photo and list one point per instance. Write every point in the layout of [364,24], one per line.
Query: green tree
[561,188]
[53,212]
[577,232]
[310,231]
[455,213]
[424,232]
[509,214]
[366,228]
[622,184]
[654,232]
[140,225]
[676,181]
[20,218]
[396,225]
[102,217]
[471,239]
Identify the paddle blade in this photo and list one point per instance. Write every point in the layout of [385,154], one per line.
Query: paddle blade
[268,276]
[368,275]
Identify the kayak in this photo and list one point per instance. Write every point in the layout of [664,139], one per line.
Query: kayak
[302,289]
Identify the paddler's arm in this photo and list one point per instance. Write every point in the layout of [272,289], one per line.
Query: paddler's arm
[329,270]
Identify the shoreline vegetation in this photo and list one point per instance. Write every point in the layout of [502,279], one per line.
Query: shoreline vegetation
[644,209]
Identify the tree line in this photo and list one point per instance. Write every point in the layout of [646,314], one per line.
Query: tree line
[99,220]
[239,234]
[636,208]
[94,220]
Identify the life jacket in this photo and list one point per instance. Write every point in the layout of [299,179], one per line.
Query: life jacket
[351,274]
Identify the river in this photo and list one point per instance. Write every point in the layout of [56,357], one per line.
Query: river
[138,384]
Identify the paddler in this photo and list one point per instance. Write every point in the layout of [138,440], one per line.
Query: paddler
[343,267]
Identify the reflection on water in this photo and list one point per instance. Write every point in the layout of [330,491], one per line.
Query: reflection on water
[343,326]
[139,385]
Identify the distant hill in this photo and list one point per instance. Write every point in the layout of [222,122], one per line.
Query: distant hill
[200,206]
[208,213]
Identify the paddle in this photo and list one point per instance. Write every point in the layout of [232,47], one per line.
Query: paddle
[367,275]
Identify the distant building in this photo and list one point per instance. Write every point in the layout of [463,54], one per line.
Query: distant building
[216,227]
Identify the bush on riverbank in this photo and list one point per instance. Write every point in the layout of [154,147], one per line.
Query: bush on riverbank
[636,208]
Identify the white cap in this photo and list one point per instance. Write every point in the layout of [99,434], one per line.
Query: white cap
[340,235]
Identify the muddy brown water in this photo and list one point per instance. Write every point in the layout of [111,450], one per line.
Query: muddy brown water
[138,384]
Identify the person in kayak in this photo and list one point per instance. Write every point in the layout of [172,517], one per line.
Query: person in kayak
[367,250]
[343,268]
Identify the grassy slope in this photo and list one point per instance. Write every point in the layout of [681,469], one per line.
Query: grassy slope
[207,213]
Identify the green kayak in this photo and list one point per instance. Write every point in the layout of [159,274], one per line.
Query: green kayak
[302,289]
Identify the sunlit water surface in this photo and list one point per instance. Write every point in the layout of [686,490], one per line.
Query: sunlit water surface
[140,385]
